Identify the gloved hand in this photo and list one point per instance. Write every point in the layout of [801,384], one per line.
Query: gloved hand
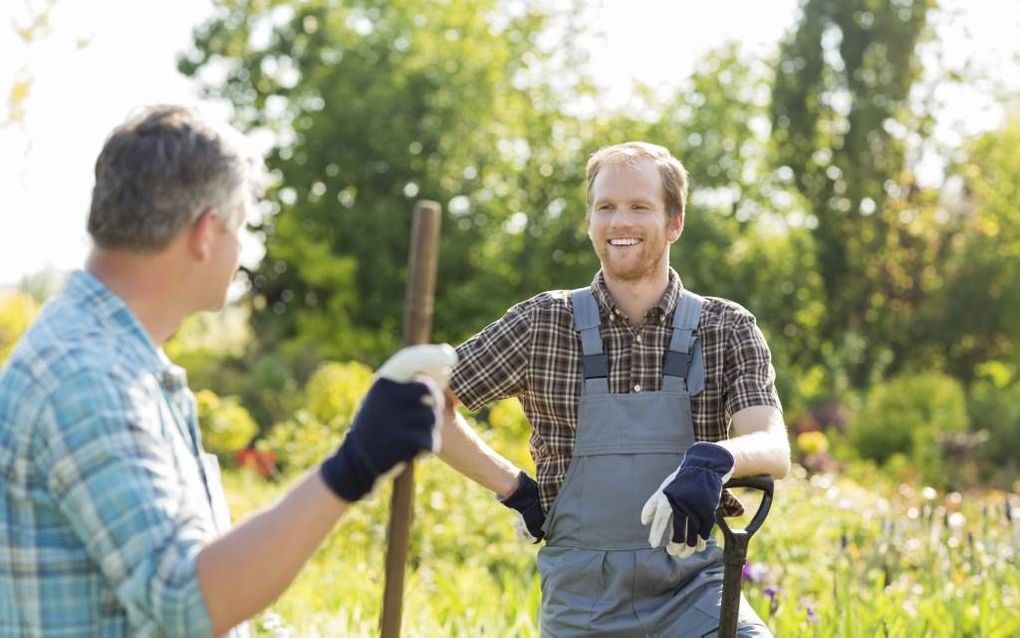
[524,500]
[395,422]
[690,496]
[421,362]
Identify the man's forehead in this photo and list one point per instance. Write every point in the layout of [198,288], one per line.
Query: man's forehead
[627,175]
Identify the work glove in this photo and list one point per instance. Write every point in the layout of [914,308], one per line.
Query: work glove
[524,500]
[397,420]
[689,496]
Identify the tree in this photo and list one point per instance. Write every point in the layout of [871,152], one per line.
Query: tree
[373,105]
[973,320]
[841,118]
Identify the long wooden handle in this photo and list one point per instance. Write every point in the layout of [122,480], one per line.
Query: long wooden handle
[418,303]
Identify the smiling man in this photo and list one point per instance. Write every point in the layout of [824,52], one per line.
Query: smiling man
[644,399]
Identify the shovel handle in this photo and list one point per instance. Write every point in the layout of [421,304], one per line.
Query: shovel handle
[761,482]
[735,551]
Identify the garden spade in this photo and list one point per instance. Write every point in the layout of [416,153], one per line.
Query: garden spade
[418,301]
[735,551]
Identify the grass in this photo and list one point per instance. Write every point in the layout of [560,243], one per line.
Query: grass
[834,559]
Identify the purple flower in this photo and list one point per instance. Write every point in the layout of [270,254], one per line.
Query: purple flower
[772,593]
[755,572]
[809,608]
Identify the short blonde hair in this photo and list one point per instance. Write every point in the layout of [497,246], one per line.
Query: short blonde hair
[674,175]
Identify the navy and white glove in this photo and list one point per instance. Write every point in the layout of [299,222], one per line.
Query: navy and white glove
[396,421]
[524,500]
[689,497]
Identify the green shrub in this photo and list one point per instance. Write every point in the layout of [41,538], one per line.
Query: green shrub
[226,425]
[909,415]
[332,394]
[334,391]
[996,410]
[16,313]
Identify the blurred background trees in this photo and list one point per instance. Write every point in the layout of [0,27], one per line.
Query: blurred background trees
[806,205]
[881,290]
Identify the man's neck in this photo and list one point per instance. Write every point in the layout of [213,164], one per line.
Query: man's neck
[636,298]
[145,286]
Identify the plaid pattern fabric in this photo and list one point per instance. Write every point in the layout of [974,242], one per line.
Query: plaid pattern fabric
[103,504]
[533,353]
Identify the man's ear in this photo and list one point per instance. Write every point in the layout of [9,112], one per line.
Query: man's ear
[675,227]
[201,234]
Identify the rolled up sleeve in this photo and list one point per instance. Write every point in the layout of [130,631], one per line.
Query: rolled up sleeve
[493,364]
[750,376]
[113,474]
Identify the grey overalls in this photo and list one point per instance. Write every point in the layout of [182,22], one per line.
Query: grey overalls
[599,576]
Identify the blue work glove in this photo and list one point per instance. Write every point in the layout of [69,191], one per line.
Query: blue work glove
[689,496]
[524,500]
[396,421]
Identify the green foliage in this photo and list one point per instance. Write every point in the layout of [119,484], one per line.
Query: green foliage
[207,345]
[909,415]
[16,313]
[226,424]
[975,319]
[803,205]
[841,120]
[375,104]
[995,409]
[335,390]
[833,559]
[332,395]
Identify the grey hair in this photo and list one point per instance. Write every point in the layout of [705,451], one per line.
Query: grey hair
[159,171]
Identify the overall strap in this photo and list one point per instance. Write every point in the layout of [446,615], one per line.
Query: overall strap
[594,363]
[677,367]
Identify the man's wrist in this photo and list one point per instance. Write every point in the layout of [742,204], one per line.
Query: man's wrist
[523,494]
[345,476]
[510,485]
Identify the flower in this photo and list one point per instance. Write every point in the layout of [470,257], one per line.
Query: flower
[261,462]
[772,593]
[809,608]
[812,442]
[755,572]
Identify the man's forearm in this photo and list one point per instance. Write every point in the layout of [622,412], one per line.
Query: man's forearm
[248,568]
[760,444]
[466,452]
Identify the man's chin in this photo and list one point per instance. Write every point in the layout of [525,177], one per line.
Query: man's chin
[626,273]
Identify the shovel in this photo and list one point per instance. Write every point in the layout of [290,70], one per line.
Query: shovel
[735,551]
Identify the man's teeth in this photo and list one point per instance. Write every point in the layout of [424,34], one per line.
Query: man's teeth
[623,242]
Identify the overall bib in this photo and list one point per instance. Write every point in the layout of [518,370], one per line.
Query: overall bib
[598,574]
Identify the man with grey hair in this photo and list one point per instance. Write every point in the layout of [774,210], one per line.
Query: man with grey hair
[633,386]
[113,521]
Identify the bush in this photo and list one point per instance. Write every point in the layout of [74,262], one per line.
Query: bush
[996,410]
[909,415]
[226,425]
[16,313]
[334,391]
[332,395]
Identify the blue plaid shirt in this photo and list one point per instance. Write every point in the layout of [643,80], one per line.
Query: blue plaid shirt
[106,497]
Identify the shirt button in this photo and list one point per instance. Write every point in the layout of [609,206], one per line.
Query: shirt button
[637,388]
[638,338]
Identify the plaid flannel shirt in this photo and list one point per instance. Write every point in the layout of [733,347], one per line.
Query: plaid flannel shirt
[533,353]
[104,504]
